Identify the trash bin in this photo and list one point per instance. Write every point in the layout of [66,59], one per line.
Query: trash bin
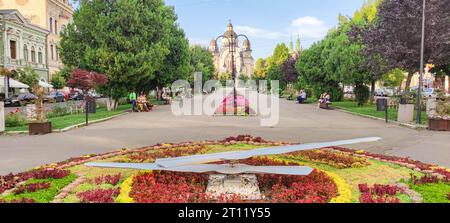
[382,104]
[92,106]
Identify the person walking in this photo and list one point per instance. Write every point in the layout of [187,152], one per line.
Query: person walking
[132,96]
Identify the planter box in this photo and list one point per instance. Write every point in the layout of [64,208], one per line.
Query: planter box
[439,125]
[40,128]
[405,113]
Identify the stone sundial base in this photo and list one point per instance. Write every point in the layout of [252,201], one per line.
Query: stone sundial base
[245,185]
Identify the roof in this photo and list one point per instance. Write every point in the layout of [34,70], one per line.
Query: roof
[4,12]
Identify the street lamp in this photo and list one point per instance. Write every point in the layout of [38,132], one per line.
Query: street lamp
[419,94]
[232,39]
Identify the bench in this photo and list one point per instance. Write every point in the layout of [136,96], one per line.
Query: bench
[324,105]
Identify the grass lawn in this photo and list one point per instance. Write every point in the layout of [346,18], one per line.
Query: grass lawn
[371,110]
[70,120]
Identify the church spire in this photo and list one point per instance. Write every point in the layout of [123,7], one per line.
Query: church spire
[298,46]
[291,46]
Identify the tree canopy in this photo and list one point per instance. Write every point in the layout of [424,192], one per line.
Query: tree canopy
[131,41]
[396,34]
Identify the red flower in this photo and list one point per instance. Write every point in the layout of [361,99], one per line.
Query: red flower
[99,196]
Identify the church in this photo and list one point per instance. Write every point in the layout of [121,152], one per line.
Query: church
[243,58]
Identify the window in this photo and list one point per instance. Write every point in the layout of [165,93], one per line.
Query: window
[56,26]
[51,24]
[33,55]
[13,48]
[51,52]
[40,56]
[25,53]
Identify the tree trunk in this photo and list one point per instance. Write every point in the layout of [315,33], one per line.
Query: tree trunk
[372,91]
[408,83]
[111,104]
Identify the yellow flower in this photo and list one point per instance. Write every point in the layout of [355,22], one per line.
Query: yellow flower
[125,189]
[360,151]
[166,145]
[344,189]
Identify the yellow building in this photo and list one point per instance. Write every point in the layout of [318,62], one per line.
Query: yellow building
[52,15]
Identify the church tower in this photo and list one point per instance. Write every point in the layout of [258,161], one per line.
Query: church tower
[243,58]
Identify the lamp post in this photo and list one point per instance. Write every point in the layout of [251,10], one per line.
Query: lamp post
[232,39]
[419,94]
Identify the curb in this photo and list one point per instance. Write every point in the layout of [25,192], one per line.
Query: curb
[68,128]
[407,125]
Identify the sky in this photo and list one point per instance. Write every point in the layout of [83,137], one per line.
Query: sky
[265,22]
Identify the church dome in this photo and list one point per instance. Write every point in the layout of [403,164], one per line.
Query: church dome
[230,31]
[213,45]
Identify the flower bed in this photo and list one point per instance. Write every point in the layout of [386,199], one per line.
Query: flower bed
[379,193]
[169,187]
[337,159]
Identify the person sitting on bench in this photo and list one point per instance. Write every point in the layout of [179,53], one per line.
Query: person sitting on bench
[324,100]
[142,105]
[166,97]
[301,97]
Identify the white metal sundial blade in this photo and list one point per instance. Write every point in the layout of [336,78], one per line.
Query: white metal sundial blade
[242,169]
[239,155]
[136,166]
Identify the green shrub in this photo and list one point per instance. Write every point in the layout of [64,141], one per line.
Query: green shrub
[2,96]
[335,92]
[362,94]
[15,120]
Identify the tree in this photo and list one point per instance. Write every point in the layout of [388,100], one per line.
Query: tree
[280,55]
[86,80]
[274,73]
[312,73]
[28,76]
[394,78]
[126,40]
[58,81]
[396,35]
[289,71]
[202,61]
[260,68]
[338,58]
[176,64]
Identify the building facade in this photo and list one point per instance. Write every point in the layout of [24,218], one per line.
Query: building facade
[22,44]
[243,58]
[52,15]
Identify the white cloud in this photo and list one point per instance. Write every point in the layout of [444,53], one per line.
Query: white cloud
[308,27]
[258,33]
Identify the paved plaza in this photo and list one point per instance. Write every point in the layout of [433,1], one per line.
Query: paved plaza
[298,123]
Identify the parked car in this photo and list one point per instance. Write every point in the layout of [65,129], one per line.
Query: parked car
[64,94]
[55,97]
[20,99]
[381,93]
[76,96]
